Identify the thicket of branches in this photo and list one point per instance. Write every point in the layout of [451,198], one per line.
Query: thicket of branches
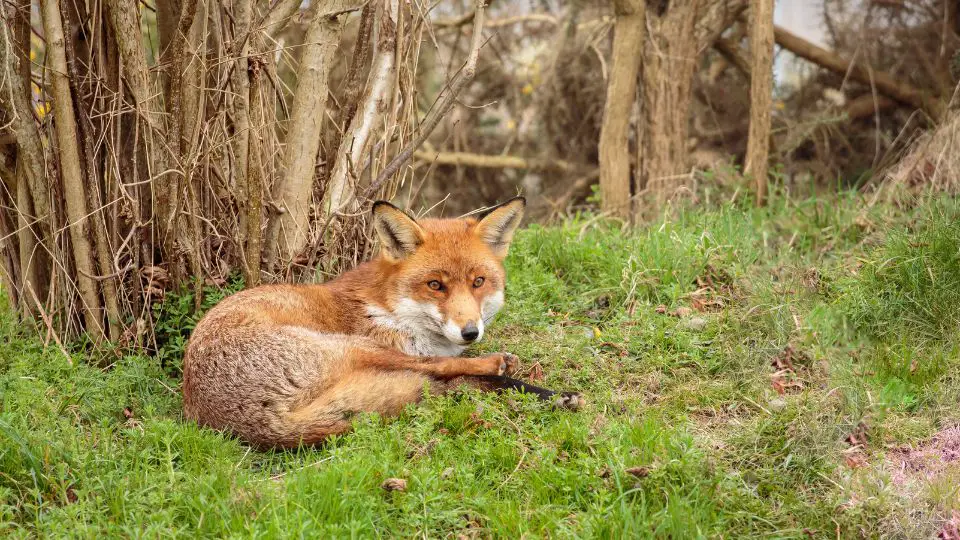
[146,146]
[153,145]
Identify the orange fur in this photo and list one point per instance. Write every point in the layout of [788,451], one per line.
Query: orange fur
[281,365]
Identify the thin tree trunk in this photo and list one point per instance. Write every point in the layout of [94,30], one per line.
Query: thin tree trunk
[291,220]
[761,95]
[173,57]
[70,169]
[340,195]
[628,38]
[240,115]
[255,173]
[30,268]
[15,99]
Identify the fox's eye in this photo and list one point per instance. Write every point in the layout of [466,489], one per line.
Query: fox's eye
[477,283]
[435,285]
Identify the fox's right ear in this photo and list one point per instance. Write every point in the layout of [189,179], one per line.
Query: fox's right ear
[399,234]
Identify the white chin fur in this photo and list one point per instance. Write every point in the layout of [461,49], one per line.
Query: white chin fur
[491,305]
[429,334]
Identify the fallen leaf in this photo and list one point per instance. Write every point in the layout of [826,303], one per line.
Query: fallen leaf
[661,309]
[951,529]
[639,472]
[127,413]
[535,373]
[859,435]
[394,484]
[681,312]
[855,460]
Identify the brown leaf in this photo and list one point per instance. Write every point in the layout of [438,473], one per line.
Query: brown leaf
[71,495]
[784,360]
[535,373]
[855,460]
[778,384]
[394,484]
[127,413]
[661,309]
[859,435]
[682,311]
[639,472]
[951,529]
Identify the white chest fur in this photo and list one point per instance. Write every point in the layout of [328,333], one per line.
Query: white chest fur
[423,326]
[420,324]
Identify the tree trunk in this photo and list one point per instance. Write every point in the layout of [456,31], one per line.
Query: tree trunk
[291,220]
[667,75]
[255,176]
[70,170]
[761,94]
[628,37]
[33,190]
[240,116]
[341,195]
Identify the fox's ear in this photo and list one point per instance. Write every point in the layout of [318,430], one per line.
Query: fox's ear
[399,234]
[497,225]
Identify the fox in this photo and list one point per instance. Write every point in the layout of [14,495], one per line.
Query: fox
[285,365]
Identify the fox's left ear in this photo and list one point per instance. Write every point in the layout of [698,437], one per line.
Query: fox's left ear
[497,225]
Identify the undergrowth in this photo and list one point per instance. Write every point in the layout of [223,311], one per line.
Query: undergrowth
[747,372]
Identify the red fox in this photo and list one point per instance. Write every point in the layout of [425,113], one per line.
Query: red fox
[285,365]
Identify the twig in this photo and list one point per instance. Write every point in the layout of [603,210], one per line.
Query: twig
[446,100]
[48,323]
[485,161]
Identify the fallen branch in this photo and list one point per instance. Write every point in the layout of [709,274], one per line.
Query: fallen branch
[445,101]
[867,105]
[482,161]
[884,82]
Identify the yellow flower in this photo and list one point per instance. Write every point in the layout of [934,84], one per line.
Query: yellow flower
[42,109]
[511,124]
[527,89]
[779,105]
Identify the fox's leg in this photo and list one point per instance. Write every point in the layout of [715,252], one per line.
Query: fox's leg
[382,381]
[441,367]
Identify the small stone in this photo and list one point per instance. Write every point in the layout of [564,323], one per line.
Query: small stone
[394,484]
[695,323]
[777,404]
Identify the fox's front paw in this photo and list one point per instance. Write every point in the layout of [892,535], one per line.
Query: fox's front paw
[505,363]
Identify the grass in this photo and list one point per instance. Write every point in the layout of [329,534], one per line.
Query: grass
[690,431]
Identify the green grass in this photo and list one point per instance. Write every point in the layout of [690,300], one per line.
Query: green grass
[865,296]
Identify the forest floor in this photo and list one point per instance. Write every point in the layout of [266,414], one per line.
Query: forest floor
[788,372]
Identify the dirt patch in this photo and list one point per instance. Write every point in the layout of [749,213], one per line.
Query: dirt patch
[925,461]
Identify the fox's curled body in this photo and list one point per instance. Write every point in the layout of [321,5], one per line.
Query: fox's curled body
[283,365]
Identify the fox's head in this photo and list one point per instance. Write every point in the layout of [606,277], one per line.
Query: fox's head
[446,275]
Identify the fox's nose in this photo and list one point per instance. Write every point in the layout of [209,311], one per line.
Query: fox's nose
[470,331]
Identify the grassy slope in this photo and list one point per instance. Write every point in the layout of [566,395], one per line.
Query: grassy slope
[692,400]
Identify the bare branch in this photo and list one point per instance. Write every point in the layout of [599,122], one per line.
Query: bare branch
[445,101]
